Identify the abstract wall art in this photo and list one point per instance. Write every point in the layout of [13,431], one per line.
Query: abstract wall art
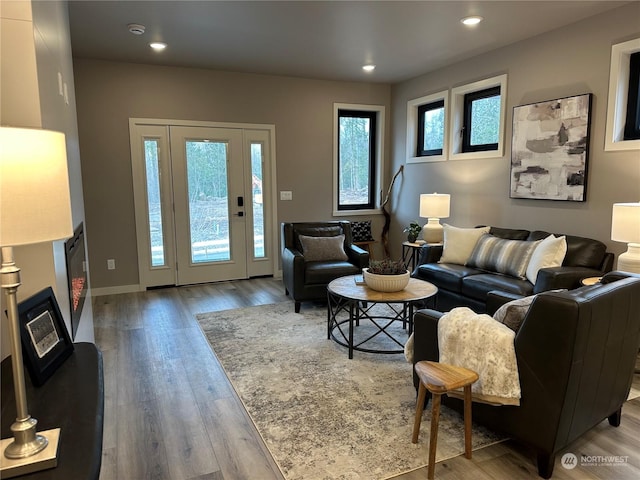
[550,149]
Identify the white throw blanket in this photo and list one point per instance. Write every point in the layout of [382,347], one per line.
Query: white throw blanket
[480,343]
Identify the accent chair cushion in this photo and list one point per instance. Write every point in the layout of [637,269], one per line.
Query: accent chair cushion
[319,249]
[509,257]
[550,252]
[459,243]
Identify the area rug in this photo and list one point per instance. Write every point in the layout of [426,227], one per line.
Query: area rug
[323,416]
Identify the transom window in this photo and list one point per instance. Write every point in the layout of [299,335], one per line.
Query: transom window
[632,124]
[481,128]
[430,129]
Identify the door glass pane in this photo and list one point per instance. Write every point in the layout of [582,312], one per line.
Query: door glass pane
[154,207]
[258,204]
[208,200]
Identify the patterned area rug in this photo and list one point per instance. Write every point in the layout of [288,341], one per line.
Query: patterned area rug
[322,415]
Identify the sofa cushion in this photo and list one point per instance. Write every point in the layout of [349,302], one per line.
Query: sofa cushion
[509,233]
[494,254]
[324,272]
[320,249]
[550,252]
[459,243]
[581,251]
[445,275]
[310,231]
[478,286]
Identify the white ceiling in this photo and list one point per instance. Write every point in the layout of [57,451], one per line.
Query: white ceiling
[316,39]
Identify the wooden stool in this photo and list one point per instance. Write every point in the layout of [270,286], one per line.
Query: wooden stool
[441,378]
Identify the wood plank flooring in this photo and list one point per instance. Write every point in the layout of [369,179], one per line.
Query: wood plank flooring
[170,412]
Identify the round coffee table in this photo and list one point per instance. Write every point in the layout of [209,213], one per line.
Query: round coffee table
[359,303]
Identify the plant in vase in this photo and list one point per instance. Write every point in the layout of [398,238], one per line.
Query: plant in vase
[386,275]
[412,231]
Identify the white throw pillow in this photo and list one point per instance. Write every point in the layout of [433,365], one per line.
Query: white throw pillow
[550,252]
[459,243]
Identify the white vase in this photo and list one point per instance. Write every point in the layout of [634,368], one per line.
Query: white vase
[385,283]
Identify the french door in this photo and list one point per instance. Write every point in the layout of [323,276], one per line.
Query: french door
[201,199]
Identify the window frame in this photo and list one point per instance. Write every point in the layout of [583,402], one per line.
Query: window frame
[377,159]
[412,128]
[632,120]
[419,147]
[617,100]
[457,118]
[467,127]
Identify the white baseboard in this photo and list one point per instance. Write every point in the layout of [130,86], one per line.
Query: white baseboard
[98,292]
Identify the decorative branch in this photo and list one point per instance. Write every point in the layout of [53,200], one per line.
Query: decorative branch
[387,215]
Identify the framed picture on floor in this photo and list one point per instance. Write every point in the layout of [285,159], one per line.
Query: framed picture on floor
[46,343]
[550,149]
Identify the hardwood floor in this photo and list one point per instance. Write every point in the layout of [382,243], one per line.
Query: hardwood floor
[170,412]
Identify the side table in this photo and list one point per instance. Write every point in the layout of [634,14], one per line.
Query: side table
[72,400]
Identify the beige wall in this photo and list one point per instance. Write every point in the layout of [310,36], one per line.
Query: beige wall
[109,93]
[35,46]
[569,61]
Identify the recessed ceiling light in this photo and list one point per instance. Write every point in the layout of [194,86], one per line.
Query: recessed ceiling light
[473,20]
[158,46]
[369,68]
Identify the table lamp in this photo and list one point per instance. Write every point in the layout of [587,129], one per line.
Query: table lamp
[434,206]
[35,207]
[625,227]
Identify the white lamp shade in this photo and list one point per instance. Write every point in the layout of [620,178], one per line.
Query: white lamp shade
[625,222]
[35,204]
[434,205]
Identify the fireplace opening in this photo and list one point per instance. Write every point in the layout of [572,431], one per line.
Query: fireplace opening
[76,275]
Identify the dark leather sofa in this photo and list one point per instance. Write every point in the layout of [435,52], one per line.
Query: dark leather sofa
[307,281]
[463,286]
[576,351]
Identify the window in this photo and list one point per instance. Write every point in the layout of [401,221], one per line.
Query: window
[632,125]
[477,119]
[481,128]
[427,128]
[430,129]
[621,109]
[357,164]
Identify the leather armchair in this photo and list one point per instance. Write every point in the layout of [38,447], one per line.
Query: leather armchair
[576,351]
[307,281]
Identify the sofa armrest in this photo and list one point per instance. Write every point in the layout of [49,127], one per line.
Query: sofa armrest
[497,298]
[430,254]
[617,275]
[554,278]
[358,256]
[292,267]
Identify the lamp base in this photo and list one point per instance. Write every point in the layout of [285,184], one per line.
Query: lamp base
[47,458]
[432,232]
[629,261]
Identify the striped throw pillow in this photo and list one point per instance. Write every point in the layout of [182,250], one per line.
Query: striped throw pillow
[509,257]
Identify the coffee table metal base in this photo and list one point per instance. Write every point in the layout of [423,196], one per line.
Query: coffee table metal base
[342,330]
